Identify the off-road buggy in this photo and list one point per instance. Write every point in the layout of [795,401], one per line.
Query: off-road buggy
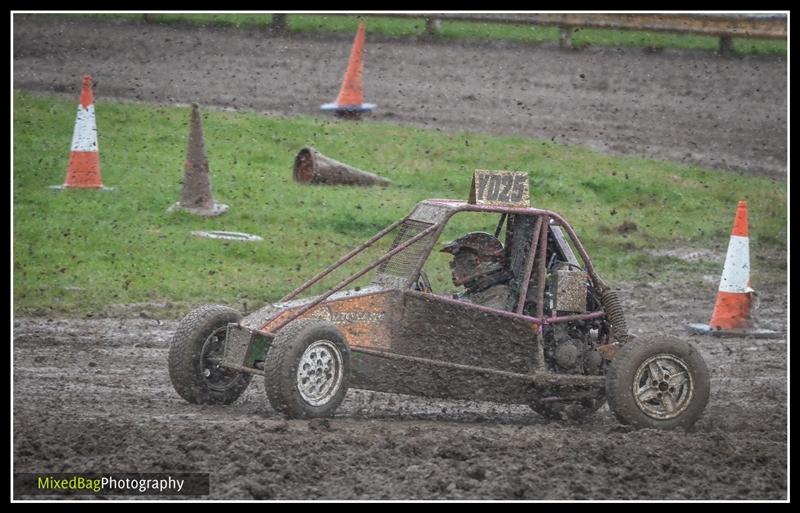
[561,346]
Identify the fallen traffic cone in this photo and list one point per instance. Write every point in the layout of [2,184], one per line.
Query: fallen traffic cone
[83,168]
[196,197]
[731,314]
[350,102]
[312,167]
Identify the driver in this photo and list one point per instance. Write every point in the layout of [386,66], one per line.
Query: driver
[478,265]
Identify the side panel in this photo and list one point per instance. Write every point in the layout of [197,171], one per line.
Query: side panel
[362,319]
[445,334]
[460,334]
[381,374]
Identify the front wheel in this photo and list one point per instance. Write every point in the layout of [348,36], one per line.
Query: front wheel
[658,383]
[307,369]
[195,357]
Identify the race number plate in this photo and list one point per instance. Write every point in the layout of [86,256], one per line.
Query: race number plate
[505,188]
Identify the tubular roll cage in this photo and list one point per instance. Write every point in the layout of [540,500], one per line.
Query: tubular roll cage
[538,243]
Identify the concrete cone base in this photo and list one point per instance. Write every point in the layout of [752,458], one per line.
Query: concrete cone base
[217,209]
[705,329]
[348,111]
[234,236]
[60,188]
[364,107]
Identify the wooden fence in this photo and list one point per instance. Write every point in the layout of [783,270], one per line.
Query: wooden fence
[724,26]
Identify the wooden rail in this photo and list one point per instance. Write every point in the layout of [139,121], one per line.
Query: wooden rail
[724,26]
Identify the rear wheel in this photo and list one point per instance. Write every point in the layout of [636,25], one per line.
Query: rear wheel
[307,369]
[658,383]
[196,353]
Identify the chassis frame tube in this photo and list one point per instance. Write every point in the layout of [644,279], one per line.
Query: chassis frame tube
[354,277]
[538,378]
[526,277]
[342,260]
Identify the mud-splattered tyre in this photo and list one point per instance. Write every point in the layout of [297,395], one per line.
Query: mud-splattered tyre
[307,369]
[660,383]
[195,353]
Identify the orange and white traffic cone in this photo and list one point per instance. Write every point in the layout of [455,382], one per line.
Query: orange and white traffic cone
[83,168]
[731,314]
[350,102]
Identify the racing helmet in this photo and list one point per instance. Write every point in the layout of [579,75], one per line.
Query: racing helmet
[476,254]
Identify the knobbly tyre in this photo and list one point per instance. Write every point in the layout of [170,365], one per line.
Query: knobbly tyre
[561,346]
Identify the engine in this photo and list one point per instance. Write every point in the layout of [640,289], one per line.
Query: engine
[571,347]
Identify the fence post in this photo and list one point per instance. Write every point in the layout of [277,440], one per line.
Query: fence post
[565,37]
[433,26]
[726,45]
[280,22]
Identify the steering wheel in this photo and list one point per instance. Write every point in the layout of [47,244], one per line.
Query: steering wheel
[423,284]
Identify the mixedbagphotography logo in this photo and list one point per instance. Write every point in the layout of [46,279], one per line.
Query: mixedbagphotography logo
[111,484]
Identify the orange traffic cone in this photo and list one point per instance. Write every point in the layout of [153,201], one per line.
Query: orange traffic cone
[196,196]
[83,169]
[731,314]
[350,102]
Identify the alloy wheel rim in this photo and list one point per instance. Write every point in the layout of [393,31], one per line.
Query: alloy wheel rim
[663,387]
[319,373]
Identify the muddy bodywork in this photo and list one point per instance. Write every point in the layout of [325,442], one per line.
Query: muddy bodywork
[406,341]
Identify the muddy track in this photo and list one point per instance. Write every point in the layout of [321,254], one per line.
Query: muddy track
[94,395]
[689,106]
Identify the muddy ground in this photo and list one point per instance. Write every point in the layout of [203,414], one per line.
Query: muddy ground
[688,106]
[93,394]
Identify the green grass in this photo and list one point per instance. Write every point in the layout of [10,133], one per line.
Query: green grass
[403,28]
[82,250]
